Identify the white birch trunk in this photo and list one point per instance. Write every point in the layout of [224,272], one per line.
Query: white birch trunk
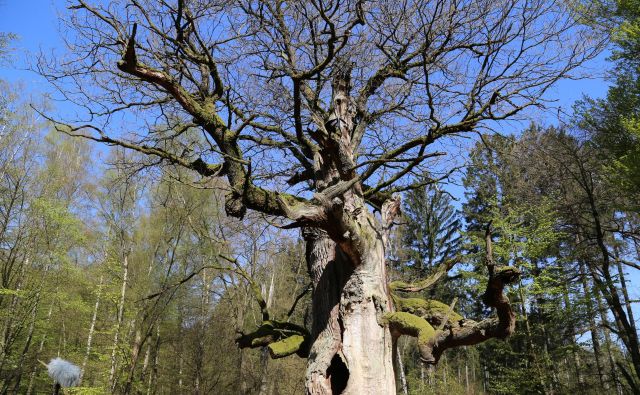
[91,329]
[114,349]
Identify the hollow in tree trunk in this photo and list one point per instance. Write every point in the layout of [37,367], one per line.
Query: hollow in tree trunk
[352,351]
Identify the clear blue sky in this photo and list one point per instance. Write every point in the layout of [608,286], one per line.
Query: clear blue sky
[35,23]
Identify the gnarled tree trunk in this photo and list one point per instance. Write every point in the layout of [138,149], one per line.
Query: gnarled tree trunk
[352,351]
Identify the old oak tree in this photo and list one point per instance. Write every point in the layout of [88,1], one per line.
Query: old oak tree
[319,114]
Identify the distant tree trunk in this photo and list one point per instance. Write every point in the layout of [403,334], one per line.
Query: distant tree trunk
[593,328]
[91,328]
[40,348]
[625,295]
[142,333]
[181,372]
[138,342]
[34,313]
[120,316]
[546,366]
[264,353]
[145,363]
[8,323]
[626,333]
[202,326]
[27,345]
[531,349]
[466,372]
[242,359]
[606,283]
[401,374]
[153,377]
[607,337]
[572,330]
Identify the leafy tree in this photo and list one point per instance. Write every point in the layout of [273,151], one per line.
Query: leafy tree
[613,123]
[551,188]
[431,232]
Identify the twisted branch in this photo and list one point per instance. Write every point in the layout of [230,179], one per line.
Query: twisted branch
[417,317]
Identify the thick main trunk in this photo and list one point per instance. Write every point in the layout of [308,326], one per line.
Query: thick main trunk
[367,345]
[352,350]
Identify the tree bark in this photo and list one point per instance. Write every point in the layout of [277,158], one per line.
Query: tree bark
[367,344]
[572,330]
[400,368]
[6,340]
[607,285]
[607,336]
[138,343]
[352,350]
[40,348]
[625,294]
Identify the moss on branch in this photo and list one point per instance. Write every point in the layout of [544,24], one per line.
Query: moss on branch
[287,346]
[432,310]
[417,317]
[403,323]
[409,324]
[282,339]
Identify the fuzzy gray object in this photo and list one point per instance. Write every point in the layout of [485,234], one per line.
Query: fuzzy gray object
[64,372]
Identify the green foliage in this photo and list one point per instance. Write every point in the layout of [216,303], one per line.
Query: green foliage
[12,292]
[612,123]
[86,391]
[431,234]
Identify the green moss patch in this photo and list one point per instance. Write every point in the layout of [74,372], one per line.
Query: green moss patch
[412,325]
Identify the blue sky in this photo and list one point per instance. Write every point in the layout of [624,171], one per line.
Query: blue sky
[36,24]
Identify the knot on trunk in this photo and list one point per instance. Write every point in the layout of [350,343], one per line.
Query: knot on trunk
[234,206]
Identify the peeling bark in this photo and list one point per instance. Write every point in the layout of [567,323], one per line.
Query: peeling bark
[352,349]
[367,344]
